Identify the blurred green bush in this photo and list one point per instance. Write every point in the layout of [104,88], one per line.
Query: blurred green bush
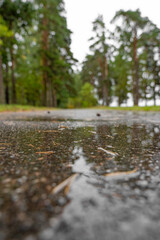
[86,98]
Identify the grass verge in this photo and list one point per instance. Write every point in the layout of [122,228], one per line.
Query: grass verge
[19,108]
[134,108]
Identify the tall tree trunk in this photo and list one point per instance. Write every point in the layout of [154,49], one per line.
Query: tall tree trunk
[135,74]
[49,94]
[106,79]
[14,97]
[105,88]
[145,94]
[105,95]
[119,101]
[2,98]
[44,57]
[7,84]
[154,95]
[54,98]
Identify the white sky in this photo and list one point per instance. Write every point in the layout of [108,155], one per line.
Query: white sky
[81,13]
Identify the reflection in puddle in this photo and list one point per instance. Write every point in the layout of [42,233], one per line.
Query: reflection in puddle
[80,165]
[35,160]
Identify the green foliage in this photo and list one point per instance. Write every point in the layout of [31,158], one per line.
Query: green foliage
[56,56]
[95,67]
[129,35]
[120,69]
[87,95]
[27,50]
[86,98]
[131,66]
[4,34]
[131,19]
[37,61]
[17,14]
[4,31]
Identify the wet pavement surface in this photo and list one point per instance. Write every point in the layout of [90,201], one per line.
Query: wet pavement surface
[80,174]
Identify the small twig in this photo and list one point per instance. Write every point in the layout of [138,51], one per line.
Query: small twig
[65,184]
[50,131]
[108,152]
[30,145]
[92,132]
[115,174]
[47,153]
[110,136]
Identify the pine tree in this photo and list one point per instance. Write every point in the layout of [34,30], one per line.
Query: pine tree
[132,23]
[57,59]
[17,15]
[4,33]
[97,63]
[150,41]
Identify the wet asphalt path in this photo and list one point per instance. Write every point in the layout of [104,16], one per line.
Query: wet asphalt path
[109,160]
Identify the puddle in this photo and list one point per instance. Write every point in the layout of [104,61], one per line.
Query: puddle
[35,158]
[80,165]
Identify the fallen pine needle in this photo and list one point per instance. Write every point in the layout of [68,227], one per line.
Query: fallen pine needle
[65,184]
[108,152]
[30,145]
[50,152]
[110,136]
[5,143]
[92,132]
[115,174]
[62,126]
[50,131]
[55,144]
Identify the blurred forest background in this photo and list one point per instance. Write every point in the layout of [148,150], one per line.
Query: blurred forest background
[37,66]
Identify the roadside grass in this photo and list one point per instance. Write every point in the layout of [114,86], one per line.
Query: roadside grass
[134,108]
[18,108]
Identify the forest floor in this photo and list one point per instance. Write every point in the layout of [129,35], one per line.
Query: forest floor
[79,174]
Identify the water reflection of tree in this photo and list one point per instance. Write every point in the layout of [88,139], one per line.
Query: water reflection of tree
[133,145]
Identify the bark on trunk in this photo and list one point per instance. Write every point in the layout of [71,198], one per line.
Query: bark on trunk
[2,98]
[105,96]
[154,95]
[49,93]
[48,98]
[54,98]
[135,74]
[145,94]
[7,85]
[14,97]
[119,101]
[44,58]
[105,88]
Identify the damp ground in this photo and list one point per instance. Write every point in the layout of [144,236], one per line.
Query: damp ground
[80,174]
